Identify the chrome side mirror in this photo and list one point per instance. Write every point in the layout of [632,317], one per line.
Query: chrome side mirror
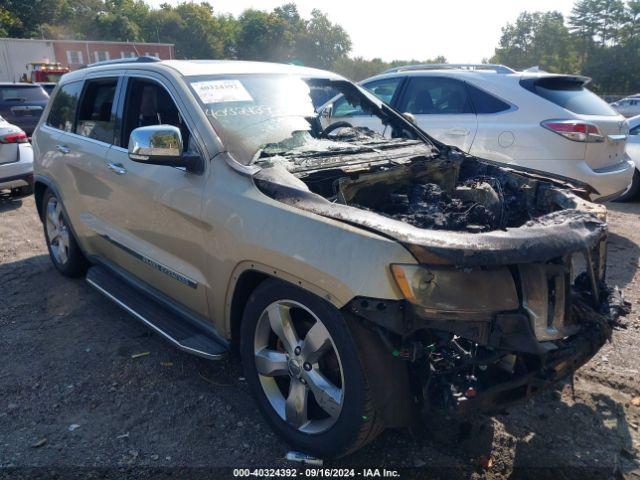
[161,145]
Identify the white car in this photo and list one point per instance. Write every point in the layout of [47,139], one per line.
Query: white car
[537,120]
[628,107]
[633,150]
[16,160]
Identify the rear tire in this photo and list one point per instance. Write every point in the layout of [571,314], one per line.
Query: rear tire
[634,190]
[62,245]
[317,402]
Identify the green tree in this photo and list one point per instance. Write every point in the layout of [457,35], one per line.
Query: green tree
[110,26]
[193,28]
[323,42]
[265,36]
[359,68]
[538,38]
[9,23]
[29,15]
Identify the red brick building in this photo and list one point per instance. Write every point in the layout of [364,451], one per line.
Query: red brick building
[17,53]
[73,53]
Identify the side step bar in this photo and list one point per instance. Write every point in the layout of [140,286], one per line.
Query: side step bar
[184,333]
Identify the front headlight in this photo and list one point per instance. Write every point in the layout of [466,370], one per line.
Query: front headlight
[451,290]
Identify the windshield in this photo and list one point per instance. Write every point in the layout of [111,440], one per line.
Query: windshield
[250,111]
[255,114]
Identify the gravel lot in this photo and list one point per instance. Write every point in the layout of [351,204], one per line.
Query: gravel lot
[84,385]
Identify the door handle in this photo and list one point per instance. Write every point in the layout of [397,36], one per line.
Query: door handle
[117,168]
[63,149]
[458,132]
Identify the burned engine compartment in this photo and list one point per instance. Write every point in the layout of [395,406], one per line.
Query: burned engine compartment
[408,181]
[436,196]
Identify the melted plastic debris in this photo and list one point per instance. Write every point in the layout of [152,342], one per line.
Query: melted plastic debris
[611,309]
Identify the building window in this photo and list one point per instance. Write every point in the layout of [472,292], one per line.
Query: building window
[155,54]
[101,55]
[74,57]
[127,54]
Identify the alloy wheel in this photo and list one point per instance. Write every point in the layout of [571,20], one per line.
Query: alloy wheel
[57,231]
[299,366]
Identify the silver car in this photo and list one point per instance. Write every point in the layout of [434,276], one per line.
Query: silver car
[16,160]
[629,106]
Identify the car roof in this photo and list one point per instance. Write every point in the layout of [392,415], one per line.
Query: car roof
[463,72]
[18,84]
[206,67]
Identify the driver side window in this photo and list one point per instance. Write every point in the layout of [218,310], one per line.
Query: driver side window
[148,103]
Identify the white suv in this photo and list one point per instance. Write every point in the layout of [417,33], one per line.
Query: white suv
[537,120]
[628,107]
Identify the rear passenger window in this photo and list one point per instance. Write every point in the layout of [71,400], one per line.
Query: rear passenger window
[96,119]
[63,109]
[484,102]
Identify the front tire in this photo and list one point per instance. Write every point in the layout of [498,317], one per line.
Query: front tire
[302,366]
[62,245]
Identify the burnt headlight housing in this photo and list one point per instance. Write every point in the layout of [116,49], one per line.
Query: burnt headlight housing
[471,291]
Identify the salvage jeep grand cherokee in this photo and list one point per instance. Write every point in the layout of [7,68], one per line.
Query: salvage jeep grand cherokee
[361,276]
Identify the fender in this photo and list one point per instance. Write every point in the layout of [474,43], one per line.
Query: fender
[273,272]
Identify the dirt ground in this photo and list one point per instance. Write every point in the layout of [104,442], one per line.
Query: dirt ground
[84,387]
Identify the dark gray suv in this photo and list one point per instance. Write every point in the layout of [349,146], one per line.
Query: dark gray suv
[22,104]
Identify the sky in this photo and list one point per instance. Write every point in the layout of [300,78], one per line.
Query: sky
[464,31]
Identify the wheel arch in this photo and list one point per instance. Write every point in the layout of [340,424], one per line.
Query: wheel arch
[40,185]
[245,279]
[39,188]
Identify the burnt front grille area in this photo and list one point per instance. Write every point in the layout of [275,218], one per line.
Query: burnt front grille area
[546,290]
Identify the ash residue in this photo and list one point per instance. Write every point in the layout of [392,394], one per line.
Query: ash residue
[428,206]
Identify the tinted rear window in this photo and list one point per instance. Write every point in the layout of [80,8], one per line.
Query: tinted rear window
[571,95]
[19,93]
[484,102]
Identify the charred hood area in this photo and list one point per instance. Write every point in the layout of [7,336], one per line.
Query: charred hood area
[439,203]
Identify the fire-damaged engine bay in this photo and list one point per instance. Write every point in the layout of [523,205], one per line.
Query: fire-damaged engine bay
[526,246]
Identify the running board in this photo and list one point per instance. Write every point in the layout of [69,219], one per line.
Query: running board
[182,332]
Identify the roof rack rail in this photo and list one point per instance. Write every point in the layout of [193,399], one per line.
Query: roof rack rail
[451,66]
[141,59]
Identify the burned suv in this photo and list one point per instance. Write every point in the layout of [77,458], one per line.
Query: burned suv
[362,277]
